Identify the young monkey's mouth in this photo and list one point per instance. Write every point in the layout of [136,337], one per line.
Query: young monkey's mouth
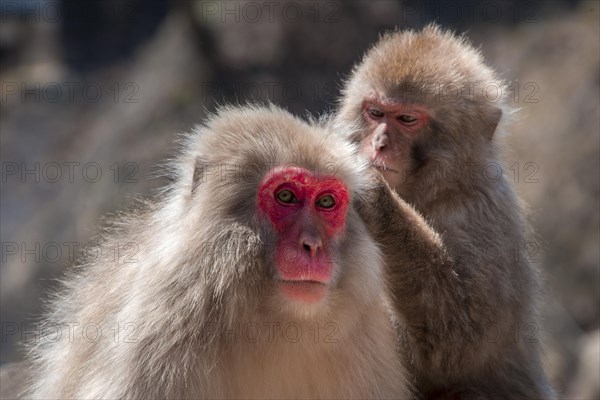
[382,167]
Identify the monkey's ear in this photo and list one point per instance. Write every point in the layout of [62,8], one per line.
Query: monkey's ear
[490,121]
[200,166]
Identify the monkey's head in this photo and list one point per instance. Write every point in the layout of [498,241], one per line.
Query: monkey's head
[308,214]
[273,197]
[419,98]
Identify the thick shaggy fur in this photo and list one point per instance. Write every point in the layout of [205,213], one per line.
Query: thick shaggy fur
[455,240]
[202,287]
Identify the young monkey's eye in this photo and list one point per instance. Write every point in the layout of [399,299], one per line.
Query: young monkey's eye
[407,119]
[375,113]
[326,201]
[286,196]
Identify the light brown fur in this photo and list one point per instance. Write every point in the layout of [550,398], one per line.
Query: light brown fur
[204,276]
[462,284]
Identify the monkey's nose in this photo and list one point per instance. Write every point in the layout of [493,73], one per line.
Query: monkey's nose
[379,142]
[311,244]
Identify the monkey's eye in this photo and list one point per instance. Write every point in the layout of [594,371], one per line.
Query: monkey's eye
[286,196]
[326,201]
[407,119]
[375,113]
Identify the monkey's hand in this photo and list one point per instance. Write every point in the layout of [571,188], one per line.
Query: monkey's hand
[378,205]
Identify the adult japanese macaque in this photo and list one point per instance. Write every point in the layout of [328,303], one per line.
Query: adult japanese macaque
[425,109]
[253,277]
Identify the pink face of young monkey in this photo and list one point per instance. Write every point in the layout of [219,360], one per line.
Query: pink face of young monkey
[308,214]
[393,129]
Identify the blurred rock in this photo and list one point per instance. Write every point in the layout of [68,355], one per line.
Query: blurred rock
[121,140]
[586,384]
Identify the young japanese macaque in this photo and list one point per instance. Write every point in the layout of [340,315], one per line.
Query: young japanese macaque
[425,109]
[253,277]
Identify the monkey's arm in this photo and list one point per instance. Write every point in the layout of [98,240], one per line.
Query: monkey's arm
[447,299]
[420,271]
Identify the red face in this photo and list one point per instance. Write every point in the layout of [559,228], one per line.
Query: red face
[392,129]
[308,214]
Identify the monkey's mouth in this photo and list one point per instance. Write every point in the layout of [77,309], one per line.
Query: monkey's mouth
[308,292]
[384,168]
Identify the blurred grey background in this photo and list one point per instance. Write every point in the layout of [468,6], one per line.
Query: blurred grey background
[94,92]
